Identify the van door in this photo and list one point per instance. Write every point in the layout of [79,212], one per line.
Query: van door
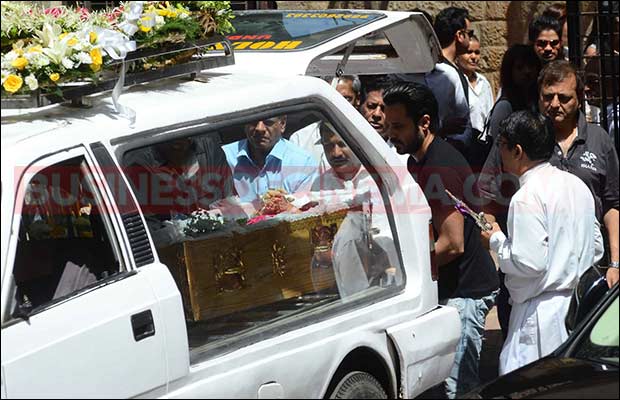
[83,321]
[425,352]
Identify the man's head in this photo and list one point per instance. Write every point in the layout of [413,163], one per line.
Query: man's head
[350,87]
[411,115]
[468,61]
[340,156]
[264,134]
[560,91]
[373,108]
[525,139]
[175,152]
[545,34]
[452,25]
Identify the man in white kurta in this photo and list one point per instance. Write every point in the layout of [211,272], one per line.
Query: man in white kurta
[553,237]
[363,250]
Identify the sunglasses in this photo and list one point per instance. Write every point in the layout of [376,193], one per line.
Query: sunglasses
[544,43]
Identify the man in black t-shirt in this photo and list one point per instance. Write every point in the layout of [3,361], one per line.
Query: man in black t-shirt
[467,275]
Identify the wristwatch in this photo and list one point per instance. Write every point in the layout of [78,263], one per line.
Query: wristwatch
[614,264]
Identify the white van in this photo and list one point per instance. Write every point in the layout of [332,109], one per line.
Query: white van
[121,279]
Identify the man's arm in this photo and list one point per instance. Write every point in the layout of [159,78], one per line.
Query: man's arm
[523,253]
[611,224]
[450,244]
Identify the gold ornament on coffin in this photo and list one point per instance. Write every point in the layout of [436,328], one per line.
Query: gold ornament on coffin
[278,259]
[229,271]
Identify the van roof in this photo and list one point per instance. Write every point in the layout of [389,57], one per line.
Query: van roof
[156,104]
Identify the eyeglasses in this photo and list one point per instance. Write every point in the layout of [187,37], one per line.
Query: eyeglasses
[544,43]
[469,33]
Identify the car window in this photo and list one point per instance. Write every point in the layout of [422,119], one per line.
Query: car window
[263,220]
[293,30]
[602,341]
[64,241]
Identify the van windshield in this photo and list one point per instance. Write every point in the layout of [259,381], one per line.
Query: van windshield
[293,30]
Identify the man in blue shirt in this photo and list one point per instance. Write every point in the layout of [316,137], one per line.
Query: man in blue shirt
[265,160]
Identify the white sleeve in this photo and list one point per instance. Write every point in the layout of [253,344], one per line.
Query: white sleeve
[525,252]
[599,246]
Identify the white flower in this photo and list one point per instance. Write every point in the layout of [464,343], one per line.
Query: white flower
[5,74]
[32,82]
[159,20]
[67,63]
[39,61]
[84,58]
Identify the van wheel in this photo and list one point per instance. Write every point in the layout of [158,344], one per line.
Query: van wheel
[358,385]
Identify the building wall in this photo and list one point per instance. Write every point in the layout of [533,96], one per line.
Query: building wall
[498,24]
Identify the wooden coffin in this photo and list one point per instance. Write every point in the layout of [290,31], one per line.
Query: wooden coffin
[219,274]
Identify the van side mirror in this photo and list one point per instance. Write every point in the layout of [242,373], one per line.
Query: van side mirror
[590,290]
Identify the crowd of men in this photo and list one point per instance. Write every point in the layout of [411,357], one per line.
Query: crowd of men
[547,182]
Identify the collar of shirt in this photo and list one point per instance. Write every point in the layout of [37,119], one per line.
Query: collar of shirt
[532,171]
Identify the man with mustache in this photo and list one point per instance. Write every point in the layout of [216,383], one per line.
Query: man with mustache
[467,276]
[357,264]
[583,149]
[265,160]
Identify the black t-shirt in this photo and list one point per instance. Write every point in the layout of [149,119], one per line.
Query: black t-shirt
[593,158]
[473,274]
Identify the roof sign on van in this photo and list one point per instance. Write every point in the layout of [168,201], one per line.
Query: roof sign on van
[293,30]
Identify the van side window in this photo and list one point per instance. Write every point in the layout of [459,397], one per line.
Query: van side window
[64,238]
[263,220]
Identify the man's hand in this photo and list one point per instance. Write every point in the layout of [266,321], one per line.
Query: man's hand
[612,276]
[485,236]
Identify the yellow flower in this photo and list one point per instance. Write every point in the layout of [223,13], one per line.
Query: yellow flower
[95,54]
[95,67]
[35,49]
[55,76]
[13,83]
[145,28]
[62,35]
[72,42]
[19,63]
[92,37]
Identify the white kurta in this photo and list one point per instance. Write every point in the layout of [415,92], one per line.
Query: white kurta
[553,237]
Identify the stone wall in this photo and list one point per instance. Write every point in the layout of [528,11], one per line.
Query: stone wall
[498,24]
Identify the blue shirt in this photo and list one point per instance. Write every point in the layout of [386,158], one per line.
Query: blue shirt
[287,166]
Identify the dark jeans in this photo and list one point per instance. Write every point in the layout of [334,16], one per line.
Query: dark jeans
[503,307]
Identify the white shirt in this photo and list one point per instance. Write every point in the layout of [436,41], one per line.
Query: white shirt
[445,83]
[480,101]
[309,139]
[553,237]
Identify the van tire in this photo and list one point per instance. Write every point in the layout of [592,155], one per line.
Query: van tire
[358,385]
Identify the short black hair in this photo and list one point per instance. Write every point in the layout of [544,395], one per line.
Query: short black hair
[449,21]
[532,131]
[541,23]
[373,83]
[418,100]
[558,70]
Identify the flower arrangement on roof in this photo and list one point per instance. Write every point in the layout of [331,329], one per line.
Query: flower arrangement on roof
[45,47]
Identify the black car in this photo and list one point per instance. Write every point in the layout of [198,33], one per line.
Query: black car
[585,366]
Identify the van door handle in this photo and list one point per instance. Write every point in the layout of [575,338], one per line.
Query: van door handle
[142,325]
